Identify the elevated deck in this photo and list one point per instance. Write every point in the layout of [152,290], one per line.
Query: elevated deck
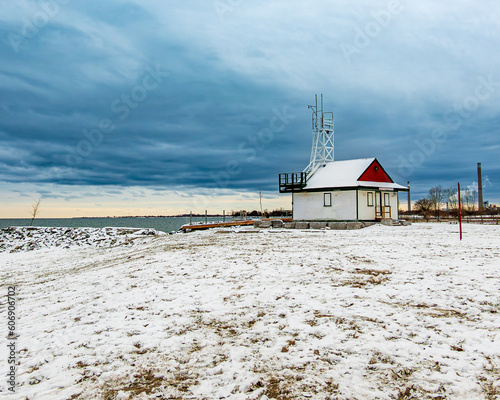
[292,182]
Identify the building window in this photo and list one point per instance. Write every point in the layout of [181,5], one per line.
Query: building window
[369,199]
[387,200]
[327,199]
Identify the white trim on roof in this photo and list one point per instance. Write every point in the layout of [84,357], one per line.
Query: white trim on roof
[381,185]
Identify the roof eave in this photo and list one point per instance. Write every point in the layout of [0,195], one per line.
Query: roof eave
[395,188]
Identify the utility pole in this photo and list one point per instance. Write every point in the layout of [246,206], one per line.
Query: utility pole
[260,200]
[409,198]
[459,211]
[479,188]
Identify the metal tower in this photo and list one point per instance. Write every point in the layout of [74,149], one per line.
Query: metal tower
[322,130]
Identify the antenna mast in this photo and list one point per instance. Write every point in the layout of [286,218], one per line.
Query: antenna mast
[322,130]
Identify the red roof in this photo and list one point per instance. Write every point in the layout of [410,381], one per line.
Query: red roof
[375,173]
[365,172]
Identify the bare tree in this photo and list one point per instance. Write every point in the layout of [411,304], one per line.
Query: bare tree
[424,207]
[34,210]
[470,199]
[437,195]
[451,198]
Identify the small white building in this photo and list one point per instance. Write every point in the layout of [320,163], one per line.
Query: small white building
[350,190]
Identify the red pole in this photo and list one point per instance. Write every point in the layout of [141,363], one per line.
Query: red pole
[459,211]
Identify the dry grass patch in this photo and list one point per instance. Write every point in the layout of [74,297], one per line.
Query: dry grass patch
[372,272]
[490,385]
[293,385]
[362,277]
[144,382]
[491,391]
[433,311]
[278,389]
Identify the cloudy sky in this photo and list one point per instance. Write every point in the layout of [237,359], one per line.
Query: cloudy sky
[158,107]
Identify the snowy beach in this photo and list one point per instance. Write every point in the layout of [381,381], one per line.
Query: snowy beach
[377,313]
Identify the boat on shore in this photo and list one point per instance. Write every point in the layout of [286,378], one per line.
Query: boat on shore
[208,225]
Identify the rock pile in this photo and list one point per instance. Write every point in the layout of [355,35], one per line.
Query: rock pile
[28,238]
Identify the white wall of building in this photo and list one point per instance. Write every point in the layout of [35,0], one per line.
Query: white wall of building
[366,212]
[394,205]
[309,206]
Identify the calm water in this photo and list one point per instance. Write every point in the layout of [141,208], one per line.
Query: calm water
[166,224]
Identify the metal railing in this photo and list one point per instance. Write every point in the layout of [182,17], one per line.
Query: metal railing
[292,181]
[472,219]
[382,212]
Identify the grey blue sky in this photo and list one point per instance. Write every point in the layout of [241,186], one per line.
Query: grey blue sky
[172,106]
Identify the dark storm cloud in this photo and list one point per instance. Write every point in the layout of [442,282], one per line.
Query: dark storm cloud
[172,95]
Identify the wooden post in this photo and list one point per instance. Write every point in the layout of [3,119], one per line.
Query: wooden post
[206,217]
[480,203]
[260,201]
[459,211]
[190,218]
[223,215]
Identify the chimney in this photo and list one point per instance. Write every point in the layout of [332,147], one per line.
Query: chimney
[409,198]
[479,188]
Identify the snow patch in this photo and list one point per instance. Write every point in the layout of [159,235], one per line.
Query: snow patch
[14,239]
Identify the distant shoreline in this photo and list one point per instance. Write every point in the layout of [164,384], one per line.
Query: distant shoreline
[164,224]
[129,216]
[159,216]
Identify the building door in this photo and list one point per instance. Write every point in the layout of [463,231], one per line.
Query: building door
[382,205]
[378,205]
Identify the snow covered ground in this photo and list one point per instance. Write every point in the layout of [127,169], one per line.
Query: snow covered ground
[378,313]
